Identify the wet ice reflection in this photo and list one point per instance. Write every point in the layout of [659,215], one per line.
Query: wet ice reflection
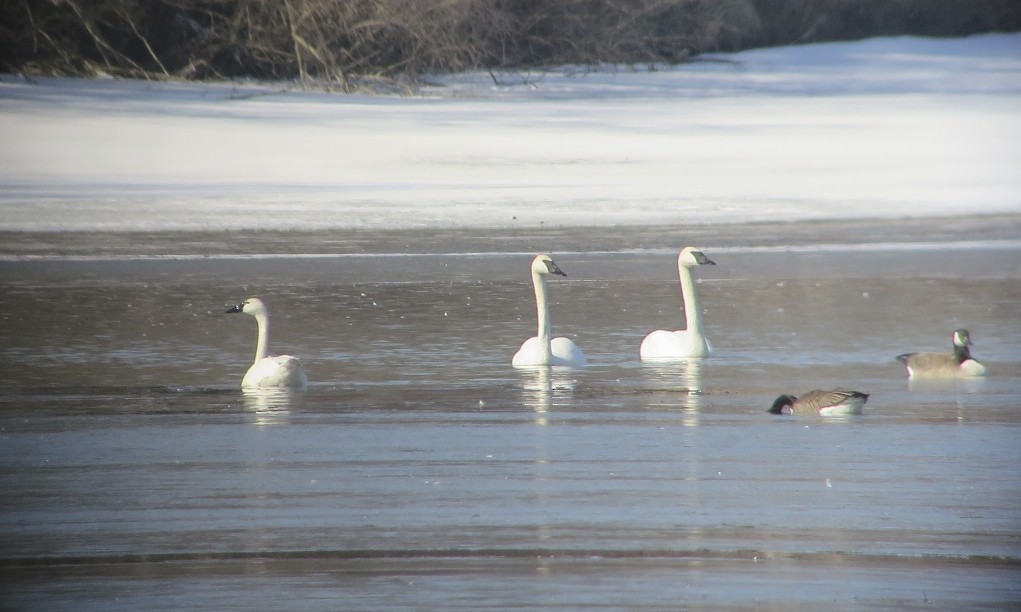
[271,406]
[684,378]
[419,439]
[543,387]
[952,387]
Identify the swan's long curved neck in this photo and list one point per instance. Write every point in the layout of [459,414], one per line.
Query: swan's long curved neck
[545,333]
[262,319]
[692,313]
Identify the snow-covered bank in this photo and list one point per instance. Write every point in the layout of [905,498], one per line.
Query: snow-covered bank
[874,129]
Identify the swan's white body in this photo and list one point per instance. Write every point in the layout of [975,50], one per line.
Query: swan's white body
[282,371]
[665,345]
[275,372]
[542,349]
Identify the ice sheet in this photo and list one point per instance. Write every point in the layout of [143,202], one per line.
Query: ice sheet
[882,128]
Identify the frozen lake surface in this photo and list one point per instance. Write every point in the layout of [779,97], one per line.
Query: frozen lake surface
[420,470]
[860,200]
[884,128]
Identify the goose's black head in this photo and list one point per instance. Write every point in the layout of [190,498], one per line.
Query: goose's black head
[783,404]
[961,338]
[961,343]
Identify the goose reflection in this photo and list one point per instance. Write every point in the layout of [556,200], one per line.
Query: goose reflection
[682,377]
[544,387]
[271,406]
[947,386]
[951,390]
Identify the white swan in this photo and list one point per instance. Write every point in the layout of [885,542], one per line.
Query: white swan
[268,372]
[664,345]
[541,350]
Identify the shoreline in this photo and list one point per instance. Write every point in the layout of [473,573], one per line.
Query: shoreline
[504,239]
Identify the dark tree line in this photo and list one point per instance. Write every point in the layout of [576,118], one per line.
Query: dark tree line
[348,43]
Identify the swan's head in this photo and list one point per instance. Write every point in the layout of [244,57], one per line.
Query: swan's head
[252,306]
[783,404]
[961,338]
[544,264]
[693,256]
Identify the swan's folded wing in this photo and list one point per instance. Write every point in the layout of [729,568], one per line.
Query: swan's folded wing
[567,352]
[279,371]
[680,344]
[529,354]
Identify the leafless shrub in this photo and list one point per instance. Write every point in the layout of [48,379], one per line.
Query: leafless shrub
[350,44]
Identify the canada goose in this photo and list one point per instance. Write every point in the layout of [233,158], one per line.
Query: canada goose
[955,364]
[541,349]
[664,345]
[825,403]
[274,372]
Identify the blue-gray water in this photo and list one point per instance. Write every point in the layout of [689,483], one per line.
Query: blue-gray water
[420,470]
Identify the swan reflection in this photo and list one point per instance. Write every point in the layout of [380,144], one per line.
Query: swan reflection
[684,377]
[543,387]
[271,406]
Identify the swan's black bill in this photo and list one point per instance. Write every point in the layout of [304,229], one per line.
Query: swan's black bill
[235,308]
[702,259]
[554,269]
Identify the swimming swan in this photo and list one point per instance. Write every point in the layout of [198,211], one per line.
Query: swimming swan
[665,345]
[956,364]
[824,403]
[268,372]
[540,350]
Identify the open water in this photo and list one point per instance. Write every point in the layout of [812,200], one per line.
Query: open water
[420,470]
